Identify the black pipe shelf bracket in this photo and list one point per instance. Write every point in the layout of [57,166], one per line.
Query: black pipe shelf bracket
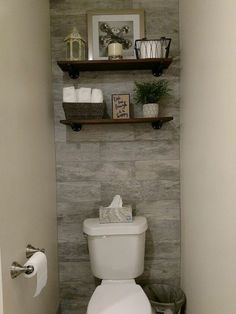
[76,126]
[158,70]
[157,125]
[73,72]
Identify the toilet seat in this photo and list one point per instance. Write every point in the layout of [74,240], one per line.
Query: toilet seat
[119,298]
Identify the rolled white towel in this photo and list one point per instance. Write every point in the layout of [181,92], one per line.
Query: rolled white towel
[150,49]
[69,94]
[97,96]
[83,94]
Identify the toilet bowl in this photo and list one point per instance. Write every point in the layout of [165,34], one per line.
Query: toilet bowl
[119,298]
[116,253]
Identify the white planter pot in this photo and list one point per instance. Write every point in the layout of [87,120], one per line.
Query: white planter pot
[150,110]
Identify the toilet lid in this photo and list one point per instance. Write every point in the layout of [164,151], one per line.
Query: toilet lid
[119,299]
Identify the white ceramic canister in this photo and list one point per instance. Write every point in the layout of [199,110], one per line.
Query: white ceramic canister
[150,110]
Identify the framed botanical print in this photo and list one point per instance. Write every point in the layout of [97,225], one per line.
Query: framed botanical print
[120,106]
[109,26]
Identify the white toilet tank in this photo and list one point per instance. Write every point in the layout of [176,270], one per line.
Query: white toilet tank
[116,250]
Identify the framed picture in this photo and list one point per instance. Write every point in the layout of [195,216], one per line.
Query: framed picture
[105,27]
[120,106]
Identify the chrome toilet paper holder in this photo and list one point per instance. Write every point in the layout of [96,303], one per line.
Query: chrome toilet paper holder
[30,250]
[17,269]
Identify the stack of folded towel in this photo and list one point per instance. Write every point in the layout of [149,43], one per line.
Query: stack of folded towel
[82,95]
[116,212]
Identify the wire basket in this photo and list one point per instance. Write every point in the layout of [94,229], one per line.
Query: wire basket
[152,48]
[84,111]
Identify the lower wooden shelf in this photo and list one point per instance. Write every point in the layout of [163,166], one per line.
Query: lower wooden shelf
[76,124]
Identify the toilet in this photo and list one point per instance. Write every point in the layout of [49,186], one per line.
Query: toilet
[116,253]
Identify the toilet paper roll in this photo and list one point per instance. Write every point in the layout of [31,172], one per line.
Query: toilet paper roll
[39,262]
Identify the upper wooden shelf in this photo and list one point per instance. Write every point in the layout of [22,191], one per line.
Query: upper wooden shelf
[75,67]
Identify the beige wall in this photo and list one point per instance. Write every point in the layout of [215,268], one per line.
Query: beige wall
[1,298]
[208,155]
[27,175]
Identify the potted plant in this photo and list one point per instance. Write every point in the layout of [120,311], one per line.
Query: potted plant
[148,94]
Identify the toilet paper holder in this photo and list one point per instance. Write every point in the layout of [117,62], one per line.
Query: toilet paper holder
[30,250]
[17,269]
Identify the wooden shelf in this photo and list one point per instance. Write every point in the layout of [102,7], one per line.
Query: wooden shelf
[76,125]
[75,67]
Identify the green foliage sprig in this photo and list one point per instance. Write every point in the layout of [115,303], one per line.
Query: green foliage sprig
[150,92]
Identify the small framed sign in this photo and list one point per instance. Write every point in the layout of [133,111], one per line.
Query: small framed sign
[120,106]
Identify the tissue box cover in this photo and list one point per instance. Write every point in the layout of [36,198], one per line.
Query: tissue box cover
[112,214]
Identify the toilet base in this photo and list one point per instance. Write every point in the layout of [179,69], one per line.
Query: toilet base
[119,296]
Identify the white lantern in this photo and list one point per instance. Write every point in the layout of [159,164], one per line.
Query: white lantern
[75,46]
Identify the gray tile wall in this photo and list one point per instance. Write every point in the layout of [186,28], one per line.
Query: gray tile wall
[135,161]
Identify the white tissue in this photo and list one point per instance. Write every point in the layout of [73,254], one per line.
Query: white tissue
[69,94]
[39,262]
[97,96]
[83,94]
[116,202]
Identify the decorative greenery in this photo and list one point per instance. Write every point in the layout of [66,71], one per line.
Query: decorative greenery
[150,92]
